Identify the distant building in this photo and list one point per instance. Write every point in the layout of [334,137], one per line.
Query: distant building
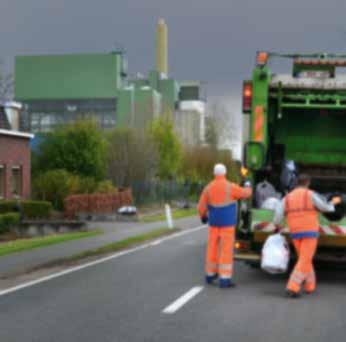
[60,89]
[190,116]
[15,160]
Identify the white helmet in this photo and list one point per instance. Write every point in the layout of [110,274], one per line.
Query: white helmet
[220,170]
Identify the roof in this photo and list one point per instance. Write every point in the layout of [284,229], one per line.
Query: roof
[16,134]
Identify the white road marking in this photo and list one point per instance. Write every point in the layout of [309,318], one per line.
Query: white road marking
[96,262]
[181,301]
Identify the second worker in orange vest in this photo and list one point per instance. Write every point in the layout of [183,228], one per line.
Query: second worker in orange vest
[218,206]
[301,207]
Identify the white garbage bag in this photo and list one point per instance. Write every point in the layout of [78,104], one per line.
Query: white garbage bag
[270,203]
[275,254]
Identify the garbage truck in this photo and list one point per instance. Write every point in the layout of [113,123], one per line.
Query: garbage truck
[298,117]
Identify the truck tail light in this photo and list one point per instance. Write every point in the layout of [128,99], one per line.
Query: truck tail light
[262,58]
[242,245]
[247,96]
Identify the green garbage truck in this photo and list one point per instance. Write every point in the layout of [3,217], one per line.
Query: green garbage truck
[300,117]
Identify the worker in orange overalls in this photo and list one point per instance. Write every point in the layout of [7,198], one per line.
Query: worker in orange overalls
[301,207]
[218,206]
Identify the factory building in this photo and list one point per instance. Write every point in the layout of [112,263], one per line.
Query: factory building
[55,90]
[60,89]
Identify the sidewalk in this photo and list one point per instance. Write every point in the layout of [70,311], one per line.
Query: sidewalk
[113,231]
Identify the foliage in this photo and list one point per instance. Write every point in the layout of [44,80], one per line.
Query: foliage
[105,187]
[198,163]
[79,148]
[31,209]
[211,136]
[132,157]
[56,185]
[7,221]
[168,146]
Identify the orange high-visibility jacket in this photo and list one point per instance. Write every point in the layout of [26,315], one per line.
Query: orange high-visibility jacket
[218,201]
[302,216]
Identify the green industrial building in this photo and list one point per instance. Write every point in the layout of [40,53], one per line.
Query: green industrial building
[59,89]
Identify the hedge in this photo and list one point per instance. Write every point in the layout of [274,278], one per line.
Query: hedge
[31,209]
[7,221]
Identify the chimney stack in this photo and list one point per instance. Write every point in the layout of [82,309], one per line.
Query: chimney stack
[162,47]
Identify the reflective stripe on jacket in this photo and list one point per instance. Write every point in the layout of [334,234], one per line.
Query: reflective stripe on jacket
[302,216]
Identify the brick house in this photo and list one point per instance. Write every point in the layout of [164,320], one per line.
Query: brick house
[15,157]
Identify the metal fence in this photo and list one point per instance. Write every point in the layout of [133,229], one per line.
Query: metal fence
[165,192]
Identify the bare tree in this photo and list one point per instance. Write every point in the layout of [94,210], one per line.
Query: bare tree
[6,85]
[132,157]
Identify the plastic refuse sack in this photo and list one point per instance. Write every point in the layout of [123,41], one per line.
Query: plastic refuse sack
[275,254]
[270,203]
[289,175]
[264,190]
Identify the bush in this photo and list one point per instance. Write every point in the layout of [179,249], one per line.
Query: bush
[7,221]
[36,209]
[31,209]
[56,185]
[105,187]
[79,148]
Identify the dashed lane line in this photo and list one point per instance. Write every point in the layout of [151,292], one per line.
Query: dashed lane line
[181,301]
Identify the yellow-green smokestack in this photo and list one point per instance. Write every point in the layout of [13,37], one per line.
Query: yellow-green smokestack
[162,47]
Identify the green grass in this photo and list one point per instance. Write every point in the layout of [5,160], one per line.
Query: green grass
[177,214]
[21,245]
[123,244]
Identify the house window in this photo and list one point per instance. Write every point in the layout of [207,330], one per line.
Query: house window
[17,181]
[2,181]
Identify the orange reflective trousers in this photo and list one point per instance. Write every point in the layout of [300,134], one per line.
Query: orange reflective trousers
[219,258]
[303,272]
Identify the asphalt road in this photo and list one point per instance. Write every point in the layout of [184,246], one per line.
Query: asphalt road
[123,300]
[21,262]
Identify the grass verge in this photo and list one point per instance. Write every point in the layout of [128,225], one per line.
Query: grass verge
[177,214]
[123,244]
[22,245]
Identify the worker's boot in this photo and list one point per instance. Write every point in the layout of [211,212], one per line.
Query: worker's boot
[292,294]
[209,279]
[226,283]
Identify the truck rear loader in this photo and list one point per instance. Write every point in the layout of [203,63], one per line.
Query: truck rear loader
[301,117]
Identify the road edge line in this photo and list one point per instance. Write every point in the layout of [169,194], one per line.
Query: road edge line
[99,261]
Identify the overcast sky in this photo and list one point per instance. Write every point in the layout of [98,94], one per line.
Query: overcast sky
[211,40]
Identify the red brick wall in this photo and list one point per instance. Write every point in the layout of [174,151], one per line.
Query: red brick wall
[97,203]
[15,151]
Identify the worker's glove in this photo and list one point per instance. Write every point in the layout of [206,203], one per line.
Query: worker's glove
[278,229]
[247,184]
[204,219]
